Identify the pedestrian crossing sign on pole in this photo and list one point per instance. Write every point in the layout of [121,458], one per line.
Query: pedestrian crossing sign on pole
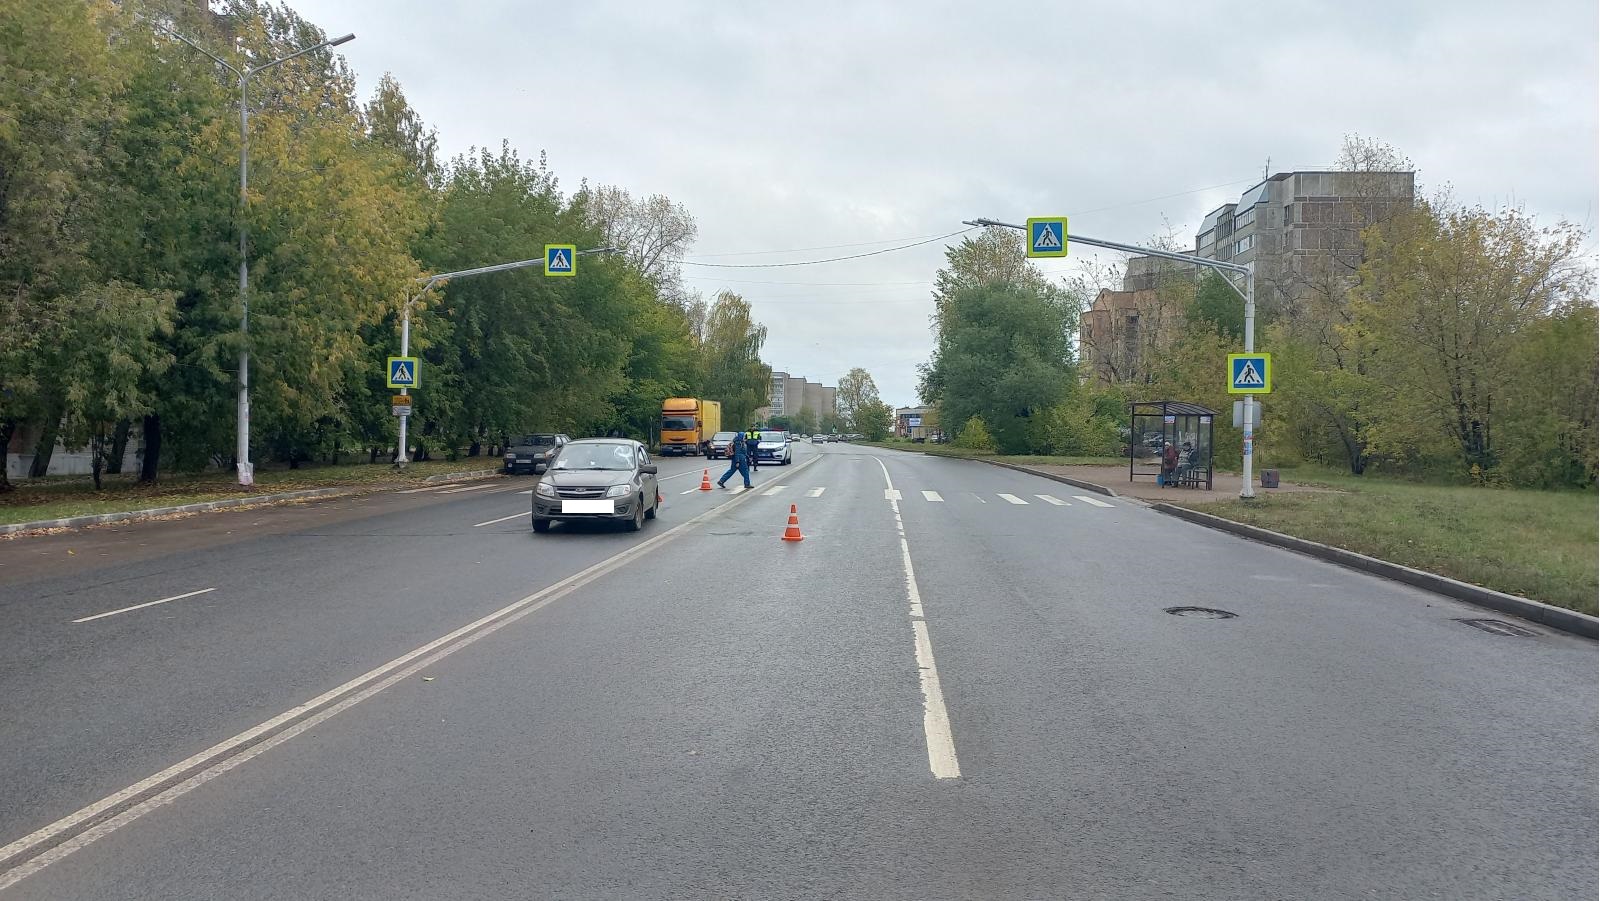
[561,259]
[1250,373]
[1047,236]
[403,372]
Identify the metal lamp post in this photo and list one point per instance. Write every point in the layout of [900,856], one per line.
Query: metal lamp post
[1248,270]
[246,470]
[427,282]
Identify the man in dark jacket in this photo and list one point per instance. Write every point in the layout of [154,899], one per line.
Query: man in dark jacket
[738,462]
[752,440]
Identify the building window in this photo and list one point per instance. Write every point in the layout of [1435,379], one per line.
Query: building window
[1288,214]
[1243,219]
[1244,244]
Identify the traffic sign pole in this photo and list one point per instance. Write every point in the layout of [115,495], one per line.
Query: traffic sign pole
[400,458]
[1247,490]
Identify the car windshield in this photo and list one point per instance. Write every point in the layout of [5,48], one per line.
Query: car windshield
[677,423]
[724,436]
[774,436]
[596,456]
[539,440]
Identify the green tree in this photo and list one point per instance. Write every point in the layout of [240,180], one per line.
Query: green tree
[1003,355]
[731,348]
[975,436]
[1445,298]
[874,419]
[857,394]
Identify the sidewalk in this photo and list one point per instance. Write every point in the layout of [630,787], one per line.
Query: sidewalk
[1224,486]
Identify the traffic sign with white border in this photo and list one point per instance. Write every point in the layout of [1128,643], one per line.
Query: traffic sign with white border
[1047,236]
[403,372]
[1250,373]
[561,259]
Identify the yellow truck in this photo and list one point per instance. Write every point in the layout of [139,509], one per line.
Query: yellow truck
[687,425]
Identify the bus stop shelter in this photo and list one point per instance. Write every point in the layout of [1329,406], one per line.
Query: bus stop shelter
[1188,427]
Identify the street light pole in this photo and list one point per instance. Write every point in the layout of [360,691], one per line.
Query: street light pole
[242,449]
[1248,270]
[427,282]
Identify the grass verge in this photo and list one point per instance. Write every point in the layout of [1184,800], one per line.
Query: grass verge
[1537,544]
[63,496]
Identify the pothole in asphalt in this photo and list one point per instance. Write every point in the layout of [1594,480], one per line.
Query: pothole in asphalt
[1499,627]
[1201,612]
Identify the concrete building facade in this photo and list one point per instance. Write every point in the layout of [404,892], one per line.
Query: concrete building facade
[789,395]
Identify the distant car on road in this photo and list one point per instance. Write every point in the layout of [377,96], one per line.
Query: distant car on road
[819,439]
[533,453]
[722,444]
[605,479]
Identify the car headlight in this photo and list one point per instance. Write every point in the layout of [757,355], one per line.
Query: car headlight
[619,490]
[545,489]
[510,457]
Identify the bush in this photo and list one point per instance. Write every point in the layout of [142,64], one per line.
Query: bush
[975,436]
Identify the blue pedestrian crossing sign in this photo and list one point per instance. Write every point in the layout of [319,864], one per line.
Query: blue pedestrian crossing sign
[403,372]
[561,259]
[1249,374]
[1047,236]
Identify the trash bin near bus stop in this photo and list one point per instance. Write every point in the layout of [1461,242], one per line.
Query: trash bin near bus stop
[1269,478]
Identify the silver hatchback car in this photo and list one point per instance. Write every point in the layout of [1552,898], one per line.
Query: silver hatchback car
[609,479]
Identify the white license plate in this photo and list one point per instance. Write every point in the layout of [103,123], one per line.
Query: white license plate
[601,506]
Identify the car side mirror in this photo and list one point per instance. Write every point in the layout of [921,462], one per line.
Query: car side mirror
[648,469]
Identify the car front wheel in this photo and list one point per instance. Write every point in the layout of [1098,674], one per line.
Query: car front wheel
[637,522]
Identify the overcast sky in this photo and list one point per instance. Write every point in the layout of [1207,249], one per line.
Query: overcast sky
[790,128]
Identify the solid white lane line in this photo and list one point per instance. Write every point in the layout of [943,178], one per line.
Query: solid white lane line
[980,499]
[677,476]
[176,597]
[691,490]
[889,494]
[932,496]
[773,490]
[364,686]
[935,717]
[529,491]
[501,519]
[1052,500]
[815,492]
[1013,499]
[427,488]
[1089,500]
[468,488]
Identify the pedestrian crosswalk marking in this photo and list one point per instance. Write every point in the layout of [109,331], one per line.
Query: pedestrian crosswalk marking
[891,494]
[933,496]
[1052,500]
[773,490]
[980,499]
[815,492]
[1090,500]
[691,490]
[1013,499]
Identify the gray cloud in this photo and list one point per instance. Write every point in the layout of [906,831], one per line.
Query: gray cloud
[797,125]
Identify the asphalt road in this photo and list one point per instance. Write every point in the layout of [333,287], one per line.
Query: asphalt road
[961,684]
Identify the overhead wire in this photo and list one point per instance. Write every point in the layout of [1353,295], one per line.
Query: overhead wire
[854,256]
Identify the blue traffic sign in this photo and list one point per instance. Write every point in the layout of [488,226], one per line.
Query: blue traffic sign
[403,372]
[1250,373]
[561,259]
[1047,236]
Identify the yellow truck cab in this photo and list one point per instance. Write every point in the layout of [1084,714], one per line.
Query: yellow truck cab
[687,424]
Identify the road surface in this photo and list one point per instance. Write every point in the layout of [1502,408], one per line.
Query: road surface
[962,684]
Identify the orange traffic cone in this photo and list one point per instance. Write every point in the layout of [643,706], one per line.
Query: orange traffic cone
[793,532]
[705,480]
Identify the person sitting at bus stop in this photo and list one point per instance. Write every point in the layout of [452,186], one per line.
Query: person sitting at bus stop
[1169,463]
[738,462]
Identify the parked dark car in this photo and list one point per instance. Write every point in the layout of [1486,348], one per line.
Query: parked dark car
[605,479]
[722,444]
[532,453]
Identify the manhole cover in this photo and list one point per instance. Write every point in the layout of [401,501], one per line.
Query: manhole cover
[1201,612]
[1499,627]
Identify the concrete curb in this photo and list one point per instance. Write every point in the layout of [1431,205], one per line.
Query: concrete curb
[1544,614]
[94,519]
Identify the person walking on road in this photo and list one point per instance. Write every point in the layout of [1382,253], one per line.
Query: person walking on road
[738,462]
